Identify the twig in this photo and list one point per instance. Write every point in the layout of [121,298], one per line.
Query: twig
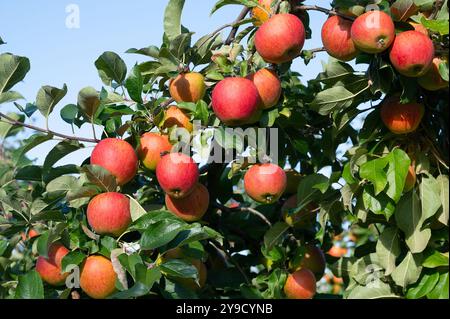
[235,24]
[437,7]
[244,209]
[324,10]
[38,129]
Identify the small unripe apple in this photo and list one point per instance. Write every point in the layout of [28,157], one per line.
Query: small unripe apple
[151,147]
[420,28]
[116,156]
[265,183]
[268,85]
[109,213]
[373,32]
[412,53]
[304,219]
[314,260]
[337,40]
[177,174]
[49,269]
[432,80]
[410,179]
[300,285]
[401,118]
[192,207]
[174,116]
[261,15]
[235,100]
[187,87]
[98,278]
[280,39]
[293,179]
[190,283]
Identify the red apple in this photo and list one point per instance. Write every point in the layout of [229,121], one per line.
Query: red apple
[192,207]
[262,14]
[235,100]
[98,278]
[337,40]
[109,213]
[300,285]
[412,53]
[116,156]
[174,116]
[151,147]
[313,259]
[268,85]
[401,118]
[304,219]
[280,39]
[432,80]
[49,269]
[177,174]
[187,87]
[265,183]
[373,32]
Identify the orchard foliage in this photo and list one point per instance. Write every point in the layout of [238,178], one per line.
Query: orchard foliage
[379,212]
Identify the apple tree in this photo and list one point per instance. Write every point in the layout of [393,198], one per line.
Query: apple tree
[285,213]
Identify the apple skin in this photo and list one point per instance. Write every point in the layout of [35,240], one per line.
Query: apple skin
[265,183]
[151,147]
[235,100]
[192,207]
[432,80]
[31,234]
[302,220]
[116,156]
[174,116]
[411,178]
[177,253]
[187,87]
[98,278]
[420,28]
[412,53]
[401,118]
[314,260]
[49,269]
[337,252]
[177,174]
[259,14]
[337,40]
[280,39]
[300,285]
[268,85]
[109,213]
[370,36]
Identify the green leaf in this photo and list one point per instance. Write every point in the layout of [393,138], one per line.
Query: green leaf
[61,185]
[10,96]
[443,183]
[136,210]
[310,188]
[379,290]
[88,102]
[436,259]
[13,69]
[440,26]
[160,233]
[221,3]
[179,268]
[429,196]
[275,234]
[441,289]
[424,286]
[69,113]
[408,272]
[172,18]
[399,163]
[111,67]
[336,98]
[101,177]
[410,219]
[73,258]
[135,84]
[374,172]
[30,286]
[29,144]
[388,249]
[59,151]
[47,98]
[151,51]
[7,129]
[443,70]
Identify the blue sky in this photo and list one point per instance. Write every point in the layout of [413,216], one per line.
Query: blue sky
[37,29]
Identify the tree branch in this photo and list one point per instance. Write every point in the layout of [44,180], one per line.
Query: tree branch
[235,24]
[244,209]
[47,131]
[437,7]
[324,10]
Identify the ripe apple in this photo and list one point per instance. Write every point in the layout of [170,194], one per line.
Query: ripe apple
[109,213]
[401,118]
[49,269]
[373,32]
[98,278]
[420,28]
[261,15]
[337,40]
[337,252]
[432,80]
[177,174]
[174,116]
[410,179]
[293,179]
[412,53]
[151,147]
[116,156]
[280,39]
[268,85]
[235,100]
[31,234]
[312,259]
[265,183]
[187,87]
[177,253]
[300,285]
[192,207]
[304,219]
